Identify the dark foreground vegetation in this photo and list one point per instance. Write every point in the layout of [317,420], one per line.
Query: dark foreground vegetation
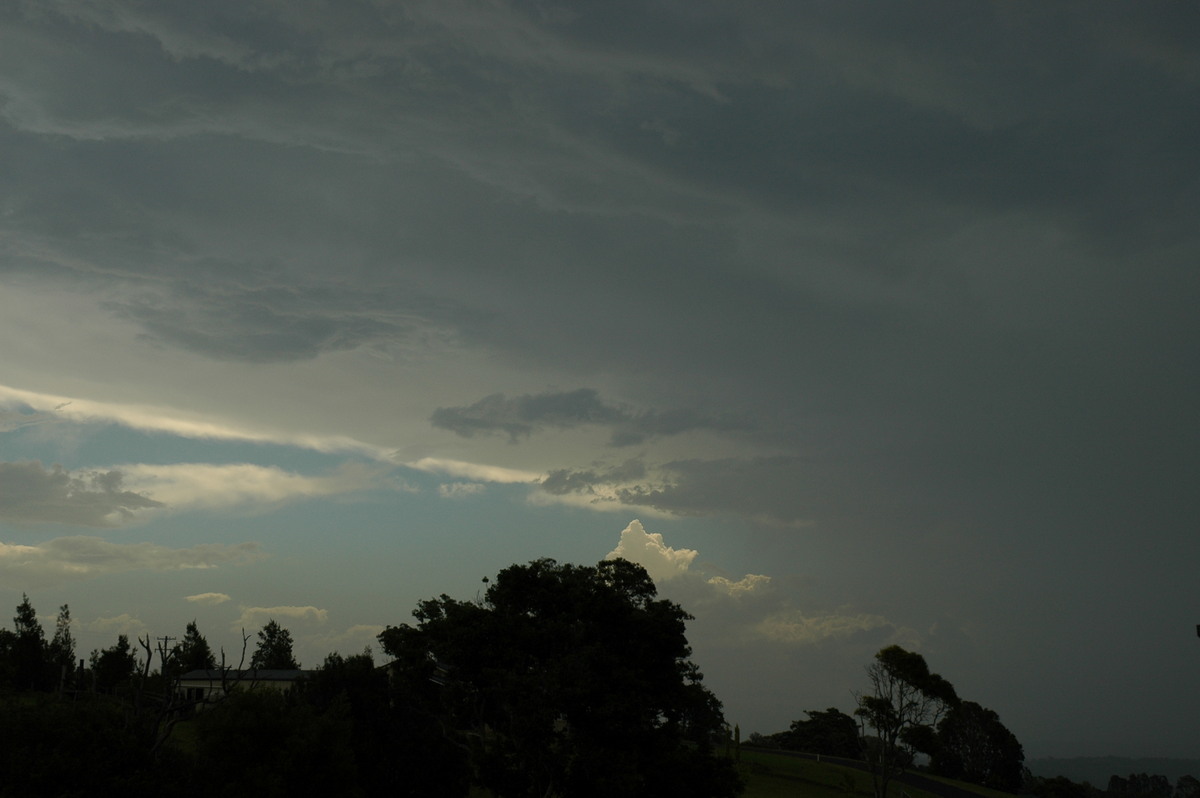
[560,680]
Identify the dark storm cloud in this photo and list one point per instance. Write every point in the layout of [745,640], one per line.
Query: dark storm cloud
[752,488]
[520,416]
[825,221]
[938,260]
[30,493]
[267,324]
[561,482]
[515,164]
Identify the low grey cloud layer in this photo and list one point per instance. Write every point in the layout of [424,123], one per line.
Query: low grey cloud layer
[31,493]
[521,416]
[76,558]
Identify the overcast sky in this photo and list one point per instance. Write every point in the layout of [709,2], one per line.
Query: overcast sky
[856,324]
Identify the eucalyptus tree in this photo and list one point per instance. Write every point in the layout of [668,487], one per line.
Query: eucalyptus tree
[903,707]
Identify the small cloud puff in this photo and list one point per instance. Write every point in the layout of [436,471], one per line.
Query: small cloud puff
[350,641]
[253,617]
[793,626]
[123,624]
[208,598]
[747,584]
[460,490]
[474,471]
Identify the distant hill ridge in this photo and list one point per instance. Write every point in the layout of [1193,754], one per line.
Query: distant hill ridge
[1097,770]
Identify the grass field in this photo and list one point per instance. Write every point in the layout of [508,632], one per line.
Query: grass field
[770,775]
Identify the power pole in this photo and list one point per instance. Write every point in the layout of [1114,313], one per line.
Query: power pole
[164,652]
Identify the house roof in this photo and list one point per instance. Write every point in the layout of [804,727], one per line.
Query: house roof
[252,674]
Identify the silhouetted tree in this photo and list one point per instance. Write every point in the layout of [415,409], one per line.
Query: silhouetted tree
[974,746]
[29,657]
[8,641]
[274,650]
[831,732]
[114,665]
[568,680]
[1187,787]
[61,651]
[905,703]
[191,653]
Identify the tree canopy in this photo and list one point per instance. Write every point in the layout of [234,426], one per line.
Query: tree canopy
[829,732]
[114,665]
[274,650]
[192,652]
[973,745]
[569,680]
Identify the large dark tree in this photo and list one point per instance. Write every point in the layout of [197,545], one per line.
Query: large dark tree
[905,703]
[569,680]
[114,666]
[274,650]
[1187,787]
[973,745]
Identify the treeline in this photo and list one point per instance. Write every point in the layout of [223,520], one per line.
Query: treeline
[1135,785]
[29,662]
[913,718]
[117,720]
[560,680]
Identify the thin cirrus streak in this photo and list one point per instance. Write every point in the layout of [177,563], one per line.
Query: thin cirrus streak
[50,408]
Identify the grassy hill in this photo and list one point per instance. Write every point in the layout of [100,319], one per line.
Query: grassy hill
[772,775]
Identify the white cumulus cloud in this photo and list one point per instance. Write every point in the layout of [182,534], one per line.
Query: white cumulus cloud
[648,550]
[255,617]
